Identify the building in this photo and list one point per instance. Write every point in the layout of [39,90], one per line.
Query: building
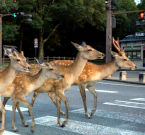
[134,46]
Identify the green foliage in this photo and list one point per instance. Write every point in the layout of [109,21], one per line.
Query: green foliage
[10,32]
[7,6]
[125,22]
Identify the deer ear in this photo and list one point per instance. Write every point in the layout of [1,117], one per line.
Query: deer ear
[114,54]
[77,46]
[22,53]
[7,52]
[40,62]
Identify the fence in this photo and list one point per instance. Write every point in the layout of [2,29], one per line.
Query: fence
[46,59]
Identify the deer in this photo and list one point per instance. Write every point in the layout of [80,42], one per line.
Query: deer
[17,63]
[70,72]
[91,74]
[24,84]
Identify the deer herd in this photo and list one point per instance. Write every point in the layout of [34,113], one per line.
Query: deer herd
[19,79]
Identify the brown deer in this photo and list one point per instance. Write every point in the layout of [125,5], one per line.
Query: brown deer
[25,84]
[17,63]
[70,72]
[91,74]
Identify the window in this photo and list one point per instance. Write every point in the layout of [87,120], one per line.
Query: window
[133,54]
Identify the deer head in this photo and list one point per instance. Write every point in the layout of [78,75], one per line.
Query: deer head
[121,59]
[18,60]
[50,70]
[87,52]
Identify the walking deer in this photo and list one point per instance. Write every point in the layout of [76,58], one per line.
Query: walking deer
[17,63]
[92,73]
[71,72]
[25,84]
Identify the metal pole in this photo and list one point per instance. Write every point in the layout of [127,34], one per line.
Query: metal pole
[108,32]
[36,52]
[0,39]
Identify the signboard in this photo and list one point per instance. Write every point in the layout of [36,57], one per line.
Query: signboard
[35,42]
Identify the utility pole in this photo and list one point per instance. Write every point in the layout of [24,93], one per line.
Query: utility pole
[0,39]
[108,30]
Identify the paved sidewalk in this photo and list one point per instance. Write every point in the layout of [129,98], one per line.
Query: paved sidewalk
[132,76]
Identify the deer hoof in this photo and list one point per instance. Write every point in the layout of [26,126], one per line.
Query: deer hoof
[88,116]
[15,129]
[32,129]
[26,125]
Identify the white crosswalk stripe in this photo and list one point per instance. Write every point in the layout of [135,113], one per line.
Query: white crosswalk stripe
[138,99]
[9,133]
[9,108]
[104,91]
[132,103]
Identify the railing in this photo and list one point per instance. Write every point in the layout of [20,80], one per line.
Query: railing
[46,59]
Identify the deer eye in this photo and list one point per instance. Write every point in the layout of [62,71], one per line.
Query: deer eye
[17,60]
[125,59]
[50,69]
[89,50]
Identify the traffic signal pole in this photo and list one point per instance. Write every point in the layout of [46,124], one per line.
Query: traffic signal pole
[0,39]
[108,32]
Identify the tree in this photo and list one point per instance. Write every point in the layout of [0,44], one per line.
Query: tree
[125,22]
[48,16]
[10,29]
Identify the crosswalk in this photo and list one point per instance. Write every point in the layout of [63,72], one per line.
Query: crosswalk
[126,124]
[84,128]
[87,128]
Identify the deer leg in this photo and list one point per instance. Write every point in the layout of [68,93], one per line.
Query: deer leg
[21,116]
[83,94]
[92,90]
[33,99]
[3,117]
[60,94]
[24,102]
[51,95]
[13,120]
[4,103]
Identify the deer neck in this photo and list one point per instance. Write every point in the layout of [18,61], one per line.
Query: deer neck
[108,69]
[78,66]
[37,80]
[7,77]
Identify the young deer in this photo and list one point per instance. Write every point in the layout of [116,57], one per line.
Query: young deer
[71,72]
[92,73]
[25,84]
[17,63]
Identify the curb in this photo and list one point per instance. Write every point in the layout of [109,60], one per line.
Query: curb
[124,81]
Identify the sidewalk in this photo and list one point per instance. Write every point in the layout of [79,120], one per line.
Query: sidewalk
[131,76]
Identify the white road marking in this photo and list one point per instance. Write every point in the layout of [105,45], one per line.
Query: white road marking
[9,108]
[126,104]
[104,91]
[114,115]
[9,133]
[84,128]
[122,84]
[138,99]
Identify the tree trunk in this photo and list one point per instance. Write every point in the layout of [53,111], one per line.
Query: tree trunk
[41,45]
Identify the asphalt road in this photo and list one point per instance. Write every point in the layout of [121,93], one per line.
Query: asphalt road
[120,111]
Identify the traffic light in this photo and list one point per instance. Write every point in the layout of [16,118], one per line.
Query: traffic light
[14,15]
[141,18]
[142,15]
[27,17]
